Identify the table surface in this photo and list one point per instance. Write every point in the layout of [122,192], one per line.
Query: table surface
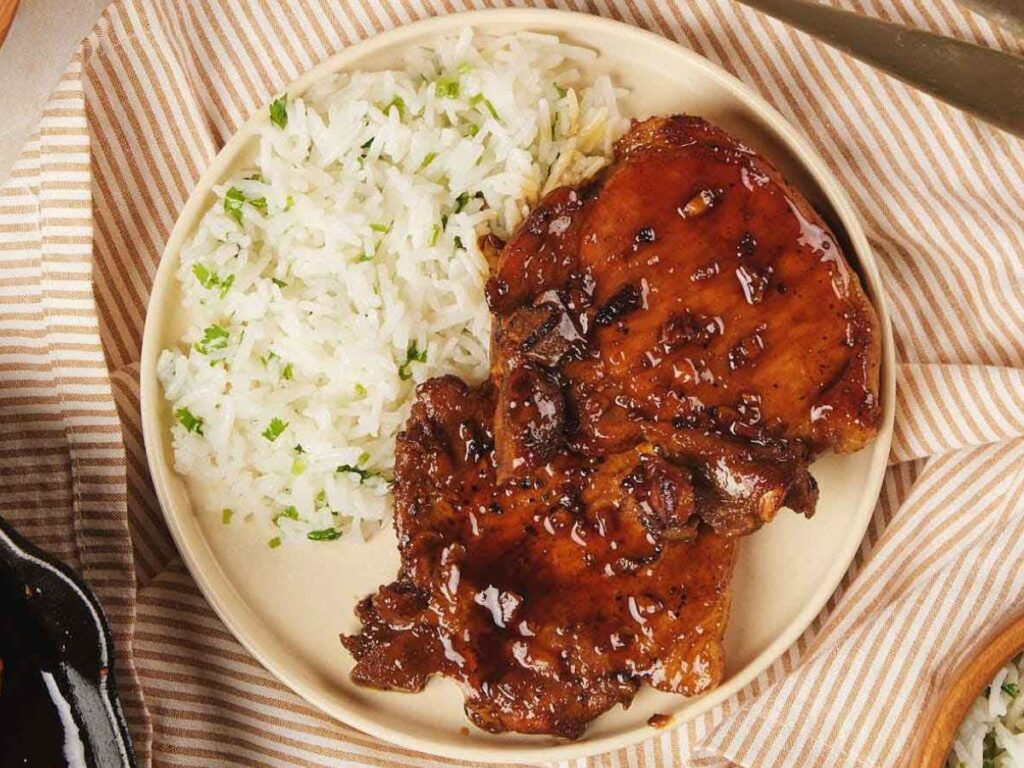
[42,38]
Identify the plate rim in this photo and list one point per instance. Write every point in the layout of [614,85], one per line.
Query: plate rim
[543,19]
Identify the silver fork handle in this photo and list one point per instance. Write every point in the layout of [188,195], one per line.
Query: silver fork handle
[986,83]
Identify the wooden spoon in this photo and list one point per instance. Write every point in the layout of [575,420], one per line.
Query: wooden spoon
[967,684]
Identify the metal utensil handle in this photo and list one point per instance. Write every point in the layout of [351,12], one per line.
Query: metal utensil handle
[986,83]
[1008,14]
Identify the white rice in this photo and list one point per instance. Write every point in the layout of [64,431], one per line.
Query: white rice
[992,734]
[343,269]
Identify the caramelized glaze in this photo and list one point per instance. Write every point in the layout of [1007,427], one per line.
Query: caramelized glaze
[673,343]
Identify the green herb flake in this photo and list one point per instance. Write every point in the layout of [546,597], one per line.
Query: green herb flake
[274,543]
[398,103]
[1011,689]
[274,429]
[430,157]
[320,500]
[464,68]
[189,421]
[363,458]
[364,474]
[360,390]
[234,198]
[473,129]
[288,372]
[299,448]
[412,355]
[561,91]
[260,204]
[279,283]
[447,88]
[225,516]
[290,512]
[289,203]
[206,277]
[214,337]
[298,466]
[491,109]
[279,111]
[326,534]
[382,228]
[434,234]
[461,201]
[225,286]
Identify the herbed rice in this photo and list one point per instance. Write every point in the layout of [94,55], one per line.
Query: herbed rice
[343,269]
[992,734]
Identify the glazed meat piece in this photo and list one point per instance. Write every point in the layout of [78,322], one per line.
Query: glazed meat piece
[689,298]
[674,342]
[551,598]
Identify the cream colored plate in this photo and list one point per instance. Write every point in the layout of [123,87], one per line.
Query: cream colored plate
[288,606]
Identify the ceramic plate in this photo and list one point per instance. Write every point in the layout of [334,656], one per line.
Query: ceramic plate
[288,607]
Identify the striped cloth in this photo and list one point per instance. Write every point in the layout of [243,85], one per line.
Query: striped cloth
[159,86]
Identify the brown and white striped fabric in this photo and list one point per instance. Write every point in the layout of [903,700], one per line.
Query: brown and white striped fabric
[159,86]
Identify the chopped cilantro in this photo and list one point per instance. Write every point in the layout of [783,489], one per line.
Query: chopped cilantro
[473,129]
[288,372]
[464,67]
[430,156]
[363,458]
[366,145]
[383,228]
[486,102]
[290,512]
[225,285]
[1011,689]
[209,278]
[225,516]
[189,421]
[447,88]
[274,429]
[279,111]
[326,534]
[320,500]
[279,283]
[289,202]
[274,543]
[214,337]
[364,474]
[561,91]
[298,466]
[398,103]
[434,234]
[233,200]
[206,277]
[360,390]
[461,201]
[299,448]
[412,355]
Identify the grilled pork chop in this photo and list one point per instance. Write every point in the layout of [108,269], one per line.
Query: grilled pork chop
[552,598]
[689,298]
[673,343]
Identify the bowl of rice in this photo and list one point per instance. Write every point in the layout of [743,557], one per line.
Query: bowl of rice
[333,256]
[979,720]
